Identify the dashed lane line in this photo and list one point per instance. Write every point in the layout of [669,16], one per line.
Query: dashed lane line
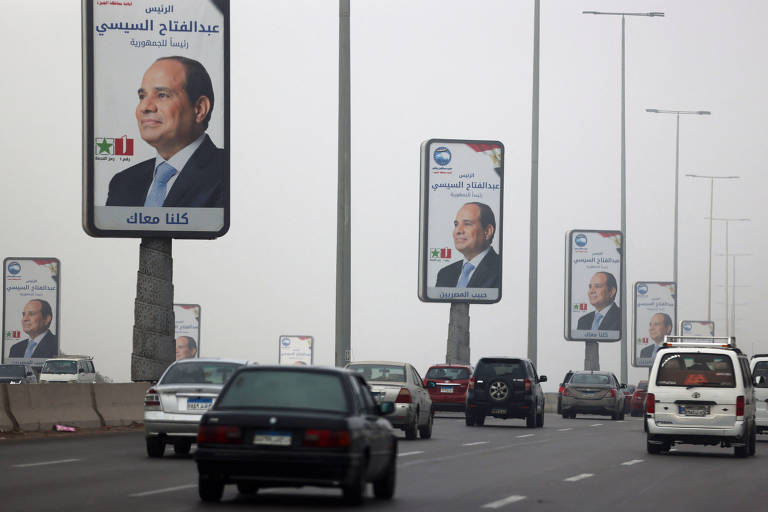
[475,443]
[564,429]
[576,478]
[596,425]
[46,463]
[632,462]
[161,491]
[405,454]
[505,501]
[525,435]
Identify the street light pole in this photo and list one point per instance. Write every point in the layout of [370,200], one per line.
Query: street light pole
[727,221]
[624,307]
[677,172]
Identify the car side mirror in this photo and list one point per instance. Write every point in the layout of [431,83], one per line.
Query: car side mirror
[623,386]
[80,371]
[542,378]
[386,408]
[431,384]
[759,380]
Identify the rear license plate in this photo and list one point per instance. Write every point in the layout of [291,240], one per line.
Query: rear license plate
[272,438]
[498,411]
[694,410]
[446,389]
[199,404]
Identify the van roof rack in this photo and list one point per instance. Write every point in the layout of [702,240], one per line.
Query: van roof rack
[700,341]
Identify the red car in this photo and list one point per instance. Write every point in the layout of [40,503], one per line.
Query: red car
[628,392]
[638,399]
[447,386]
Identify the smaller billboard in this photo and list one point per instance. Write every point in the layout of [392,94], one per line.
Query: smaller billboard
[593,284]
[187,331]
[655,317]
[31,294]
[704,328]
[296,350]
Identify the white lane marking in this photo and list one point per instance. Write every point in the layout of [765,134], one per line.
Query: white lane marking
[505,501]
[596,425]
[63,461]
[576,478]
[475,443]
[564,429]
[526,435]
[673,449]
[632,462]
[160,491]
[405,454]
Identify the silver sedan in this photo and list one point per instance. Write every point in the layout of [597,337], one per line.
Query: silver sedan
[593,392]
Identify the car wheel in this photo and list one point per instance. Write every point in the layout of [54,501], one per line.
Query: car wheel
[752,441]
[540,419]
[566,416]
[411,430]
[615,415]
[621,415]
[182,447]
[530,420]
[469,419]
[480,420]
[247,488]
[653,449]
[355,491]
[498,390]
[384,487]
[210,487]
[425,431]
[155,447]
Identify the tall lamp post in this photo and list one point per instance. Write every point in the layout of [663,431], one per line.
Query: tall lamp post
[733,256]
[727,221]
[709,251]
[677,170]
[624,179]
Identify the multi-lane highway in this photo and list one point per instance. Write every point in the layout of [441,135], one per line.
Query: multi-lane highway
[590,463]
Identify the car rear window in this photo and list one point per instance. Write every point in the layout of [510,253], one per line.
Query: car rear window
[12,370]
[760,373]
[590,378]
[199,372]
[497,368]
[380,372]
[284,389]
[642,385]
[696,369]
[448,373]
[69,367]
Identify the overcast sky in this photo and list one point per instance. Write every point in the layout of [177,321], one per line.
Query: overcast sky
[420,69]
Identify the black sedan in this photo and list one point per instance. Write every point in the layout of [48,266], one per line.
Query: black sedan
[289,426]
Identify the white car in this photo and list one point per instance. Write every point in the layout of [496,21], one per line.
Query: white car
[700,393]
[759,366]
[69,369]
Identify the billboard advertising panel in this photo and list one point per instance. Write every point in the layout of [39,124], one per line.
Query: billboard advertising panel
[593,284]
[296,350]
[655,317]
[187,331]
[30,310]
[461,220]
[704,328]
[156,136]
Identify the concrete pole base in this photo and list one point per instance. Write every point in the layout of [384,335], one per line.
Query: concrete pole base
[591,355]
[458,334]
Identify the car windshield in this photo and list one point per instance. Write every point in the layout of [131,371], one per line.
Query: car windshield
[285,389]
[60,367]
[448,373]
[695,369]
[642,385]
[760,373]
[590,378]
[380,372]
[12,370]
[488,369]
[199,372]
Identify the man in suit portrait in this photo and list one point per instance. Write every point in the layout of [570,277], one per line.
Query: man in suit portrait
[602,294]
[186,347]
[659,326]
[473,231]
[175,105]
[36,322]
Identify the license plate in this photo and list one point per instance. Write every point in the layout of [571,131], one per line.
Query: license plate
[272,438]
[498,411]
[199,404]
[376,395]
[694,410]
[446,389]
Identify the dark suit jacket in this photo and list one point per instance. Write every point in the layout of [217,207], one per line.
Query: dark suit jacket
[200,184]
[611,321]
[648,351]
[48,347]
[486,275]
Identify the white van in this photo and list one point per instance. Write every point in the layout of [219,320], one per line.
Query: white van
[759,366]
[700,391]
[69,369]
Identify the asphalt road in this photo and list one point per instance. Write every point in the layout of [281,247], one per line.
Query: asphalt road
[590,463]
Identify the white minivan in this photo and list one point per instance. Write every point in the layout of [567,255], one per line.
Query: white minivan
[759,366]
[700,392]
[69,369]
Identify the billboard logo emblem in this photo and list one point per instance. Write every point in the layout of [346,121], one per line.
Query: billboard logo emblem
[642,289]
[14,267]
[122,146]
[442,155]
[687,326]
[285,342]
[580,240]
[443,253]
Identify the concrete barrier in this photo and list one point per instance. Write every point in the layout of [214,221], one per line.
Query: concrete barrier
[121,404]
[550,402]
[6,421]
[40,406]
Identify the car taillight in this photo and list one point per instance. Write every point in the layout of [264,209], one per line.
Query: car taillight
[324,438]
[562,388]
[219,434]
[527,384]
[471,383]
[152,399]
[740,406]
[565,391]
[403,397]
[650,403]
[613,393]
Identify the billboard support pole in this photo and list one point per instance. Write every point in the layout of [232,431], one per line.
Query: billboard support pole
[154,323]
[458,334]
[591,355]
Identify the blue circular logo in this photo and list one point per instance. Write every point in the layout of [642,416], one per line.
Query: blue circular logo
[687,326]
[642,289]
[14,267]
[285,341]
[442,155]
[580,240]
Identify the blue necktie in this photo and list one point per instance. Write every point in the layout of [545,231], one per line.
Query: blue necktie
[596,321]
[464,277]
[30,348]
[156,195]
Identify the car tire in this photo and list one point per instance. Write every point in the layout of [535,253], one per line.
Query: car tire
[182,447]
[247,488]
[155,447]
[531,419]
[469,419]
[384,487]
[615,416]
[540,419]
[566,416]
[425,431]
[355,491]
[621,415]
[653,449]
[412,430]
[480,420]
[210,487]
[753,441]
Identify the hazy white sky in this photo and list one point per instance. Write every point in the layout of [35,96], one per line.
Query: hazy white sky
[420,69]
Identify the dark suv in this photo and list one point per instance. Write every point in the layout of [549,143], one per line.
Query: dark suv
[505,387]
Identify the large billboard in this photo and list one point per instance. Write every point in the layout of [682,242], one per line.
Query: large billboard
[156,136]
[31,294]
[296,350]
[461,220]
[704,328]
[593,284]
[187,331]
[655,317]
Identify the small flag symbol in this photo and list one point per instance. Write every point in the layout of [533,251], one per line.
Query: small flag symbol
[445,253]
[124,146]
